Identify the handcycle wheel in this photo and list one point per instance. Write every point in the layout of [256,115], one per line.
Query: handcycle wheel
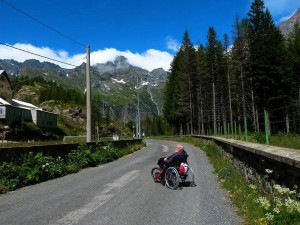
[190,177]
[172,178]
[155,173]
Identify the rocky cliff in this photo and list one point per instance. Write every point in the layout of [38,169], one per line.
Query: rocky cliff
[287,26]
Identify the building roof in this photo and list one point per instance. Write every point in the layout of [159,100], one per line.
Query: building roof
[22,104]
[3,102]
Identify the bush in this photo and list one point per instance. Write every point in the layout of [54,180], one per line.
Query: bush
[37,167]
[9,176]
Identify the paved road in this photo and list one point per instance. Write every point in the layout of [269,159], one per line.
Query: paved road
[122,192]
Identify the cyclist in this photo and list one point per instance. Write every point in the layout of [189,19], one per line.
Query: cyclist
[175,159]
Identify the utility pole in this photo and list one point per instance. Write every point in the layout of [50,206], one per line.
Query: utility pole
[138,119]
[88,97]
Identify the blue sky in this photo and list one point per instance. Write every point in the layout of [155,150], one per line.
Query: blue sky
[147,32]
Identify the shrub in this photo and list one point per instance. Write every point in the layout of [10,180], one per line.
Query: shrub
[37,167]
[9,176]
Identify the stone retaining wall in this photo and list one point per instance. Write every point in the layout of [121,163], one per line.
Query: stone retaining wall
[262,163]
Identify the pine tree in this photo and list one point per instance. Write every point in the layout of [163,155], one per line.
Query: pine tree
[212,49]
[293,81]
[180,95]
[229,80]
[203,118]
[241,70]
[189,83]
[172,93]
[266,57]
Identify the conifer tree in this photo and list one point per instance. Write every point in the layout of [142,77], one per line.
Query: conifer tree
[189,83]
[172,93]
[293,81]
[229,80]
[241,70]
[180,95]
[203,118]
[212,49]
[266,58]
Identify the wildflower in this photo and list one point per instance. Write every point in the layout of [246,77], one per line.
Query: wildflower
[265,203]
[292,205]
[47,164]
[269,216]
[252,186]
[278,202]
[276,210]
[43,166]
[269,171]
[281,190]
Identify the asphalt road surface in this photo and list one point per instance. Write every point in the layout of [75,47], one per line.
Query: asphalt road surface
[122,192]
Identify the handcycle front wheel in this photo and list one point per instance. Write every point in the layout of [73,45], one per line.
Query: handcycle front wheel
[188,179]
[155,173]
[172,178]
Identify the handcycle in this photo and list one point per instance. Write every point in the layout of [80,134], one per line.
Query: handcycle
[174,176]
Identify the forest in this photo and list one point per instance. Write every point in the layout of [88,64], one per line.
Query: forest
[253,83]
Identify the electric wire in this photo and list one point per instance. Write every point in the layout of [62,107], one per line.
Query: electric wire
[42,23]
[79,60]
[10,46]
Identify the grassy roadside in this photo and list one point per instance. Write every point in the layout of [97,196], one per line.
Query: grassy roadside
[281,139]
[255,205]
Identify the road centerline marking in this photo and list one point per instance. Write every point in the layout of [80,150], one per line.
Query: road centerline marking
[100,199]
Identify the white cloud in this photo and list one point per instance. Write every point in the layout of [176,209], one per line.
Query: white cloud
[172,44]
[16,54]
[149,60]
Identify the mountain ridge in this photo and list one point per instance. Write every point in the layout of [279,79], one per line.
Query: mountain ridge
[116,81]
[287,26]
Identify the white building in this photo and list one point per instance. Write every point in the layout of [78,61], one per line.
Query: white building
[12,110]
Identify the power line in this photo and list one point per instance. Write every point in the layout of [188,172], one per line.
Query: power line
[36,54]
[42,23]
[79,59]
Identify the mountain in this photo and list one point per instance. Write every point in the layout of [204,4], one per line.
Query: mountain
[287,26]
[11,66]
[125,80]
[117,82]
[120,62]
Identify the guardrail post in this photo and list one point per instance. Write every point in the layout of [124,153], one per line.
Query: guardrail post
[266,126]
[229,132]
[235,130]
[245,126]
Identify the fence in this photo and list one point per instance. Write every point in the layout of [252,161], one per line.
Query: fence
[234,133]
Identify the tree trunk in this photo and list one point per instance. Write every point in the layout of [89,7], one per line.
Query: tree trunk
[229,94]
[191,108]
[287,123]
[253,109]
[243,93]
[214,109]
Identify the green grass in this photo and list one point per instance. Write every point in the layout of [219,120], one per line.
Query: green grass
[280,139]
